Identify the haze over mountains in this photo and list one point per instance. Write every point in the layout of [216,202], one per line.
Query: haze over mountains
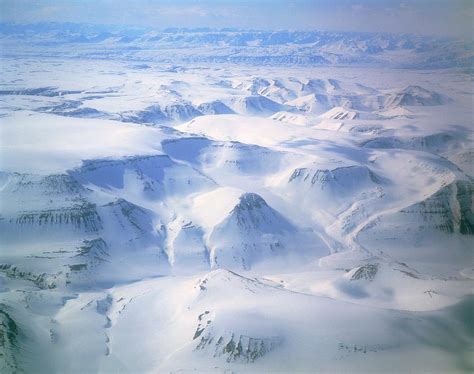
[230,200]
[206,45]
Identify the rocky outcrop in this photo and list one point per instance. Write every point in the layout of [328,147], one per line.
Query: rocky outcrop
[231,346]
[238,348]
[366,272]
[449,210]
[82,215]
[10,345]
[93,251]
[43,281]
[339,178]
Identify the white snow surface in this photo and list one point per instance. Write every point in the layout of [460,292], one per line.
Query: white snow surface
[226,215]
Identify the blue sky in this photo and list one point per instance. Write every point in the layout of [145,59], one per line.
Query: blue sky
[440,17]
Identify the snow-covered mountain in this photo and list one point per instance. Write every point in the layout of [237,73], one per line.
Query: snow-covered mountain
[413,96]
[254,105]
[225,205]
[253,231]
[241,46]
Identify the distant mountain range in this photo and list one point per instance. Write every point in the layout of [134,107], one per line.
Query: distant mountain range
[241,46]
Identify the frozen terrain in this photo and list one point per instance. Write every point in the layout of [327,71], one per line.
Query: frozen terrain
[234,201]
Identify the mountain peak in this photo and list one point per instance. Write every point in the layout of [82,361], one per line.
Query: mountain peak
[253,214]
[249,201]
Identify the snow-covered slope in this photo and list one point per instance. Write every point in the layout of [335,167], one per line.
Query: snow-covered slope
[295,118]
[214,107]
[339,113]
[255,105]
[332,189]
[413,96]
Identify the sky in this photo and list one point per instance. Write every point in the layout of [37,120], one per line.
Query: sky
[428,17]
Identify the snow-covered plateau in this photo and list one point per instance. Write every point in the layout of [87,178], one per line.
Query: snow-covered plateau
[228,201]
